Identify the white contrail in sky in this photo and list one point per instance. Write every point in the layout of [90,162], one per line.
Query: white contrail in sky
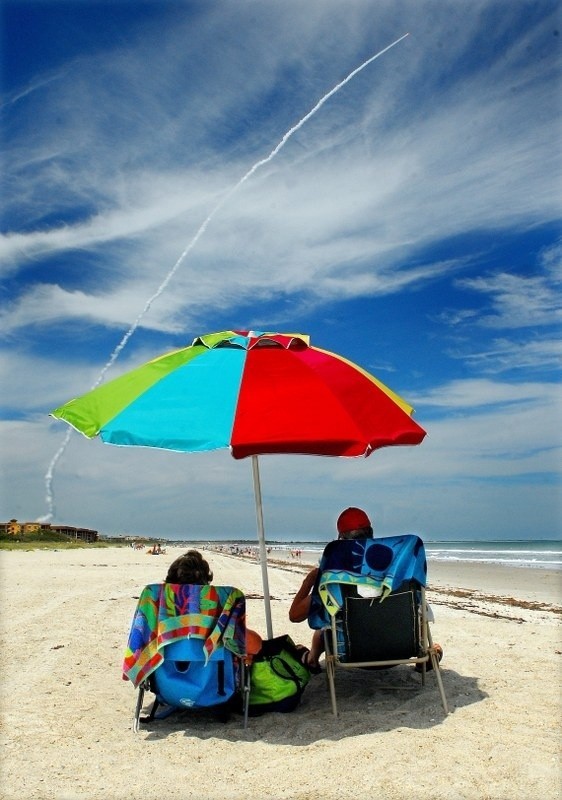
[116,353]
[32,87]
[114,356]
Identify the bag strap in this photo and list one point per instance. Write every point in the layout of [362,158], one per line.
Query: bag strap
[220,679]
[290,672]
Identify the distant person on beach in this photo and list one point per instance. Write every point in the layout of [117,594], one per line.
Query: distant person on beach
[192,568]
[353,523]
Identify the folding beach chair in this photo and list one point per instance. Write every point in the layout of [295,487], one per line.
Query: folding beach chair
[373,595]
[187,645]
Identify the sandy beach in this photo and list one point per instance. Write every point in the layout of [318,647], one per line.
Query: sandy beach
[67,713]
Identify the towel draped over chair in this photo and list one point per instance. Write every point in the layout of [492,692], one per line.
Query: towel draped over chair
[382,565]
[168,612]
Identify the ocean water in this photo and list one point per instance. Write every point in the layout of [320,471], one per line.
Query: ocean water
[542,554]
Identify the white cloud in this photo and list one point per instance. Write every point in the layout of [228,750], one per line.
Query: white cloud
[366,184]
[502,355]
[526,306]
[479,393]
[518,300]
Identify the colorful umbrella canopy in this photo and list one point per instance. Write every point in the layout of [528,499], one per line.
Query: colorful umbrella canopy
[253,392]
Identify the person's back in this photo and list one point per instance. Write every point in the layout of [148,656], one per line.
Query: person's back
[353,523]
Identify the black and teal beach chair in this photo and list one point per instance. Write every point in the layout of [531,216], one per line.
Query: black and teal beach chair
[370,600]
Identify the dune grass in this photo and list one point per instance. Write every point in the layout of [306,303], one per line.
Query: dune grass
[54,545]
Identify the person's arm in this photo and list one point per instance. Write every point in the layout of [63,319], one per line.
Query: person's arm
[301,601]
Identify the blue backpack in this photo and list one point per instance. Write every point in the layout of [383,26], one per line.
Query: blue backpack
[186,680]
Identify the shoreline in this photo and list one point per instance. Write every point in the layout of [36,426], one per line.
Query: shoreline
[537,588]
[530,584]
[526,587]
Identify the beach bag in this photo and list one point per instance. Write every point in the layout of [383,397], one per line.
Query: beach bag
[278,678]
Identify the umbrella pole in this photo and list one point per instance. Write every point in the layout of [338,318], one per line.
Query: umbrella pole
[263,551]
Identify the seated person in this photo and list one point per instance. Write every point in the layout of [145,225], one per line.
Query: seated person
[353,523]
[192,568]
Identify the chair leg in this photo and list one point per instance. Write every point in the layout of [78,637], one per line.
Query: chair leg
[246,675]
[437,670]
[331,676]
[138,708]
[423,672]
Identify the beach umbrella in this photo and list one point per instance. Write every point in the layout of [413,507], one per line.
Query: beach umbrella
[256,393]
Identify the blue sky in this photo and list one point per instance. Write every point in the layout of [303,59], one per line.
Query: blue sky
[411,224]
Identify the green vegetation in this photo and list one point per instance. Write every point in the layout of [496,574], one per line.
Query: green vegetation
[47,541]
[50,536]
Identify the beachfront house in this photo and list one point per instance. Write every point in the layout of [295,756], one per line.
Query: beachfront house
[17,529]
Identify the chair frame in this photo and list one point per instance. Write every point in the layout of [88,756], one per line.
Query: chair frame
[427,653]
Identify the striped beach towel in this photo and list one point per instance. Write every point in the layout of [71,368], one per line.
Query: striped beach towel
[168,612]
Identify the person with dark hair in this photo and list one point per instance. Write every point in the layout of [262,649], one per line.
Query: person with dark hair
[192,568]
[353,523]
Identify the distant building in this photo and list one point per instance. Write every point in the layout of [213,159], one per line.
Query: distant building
[15,528]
